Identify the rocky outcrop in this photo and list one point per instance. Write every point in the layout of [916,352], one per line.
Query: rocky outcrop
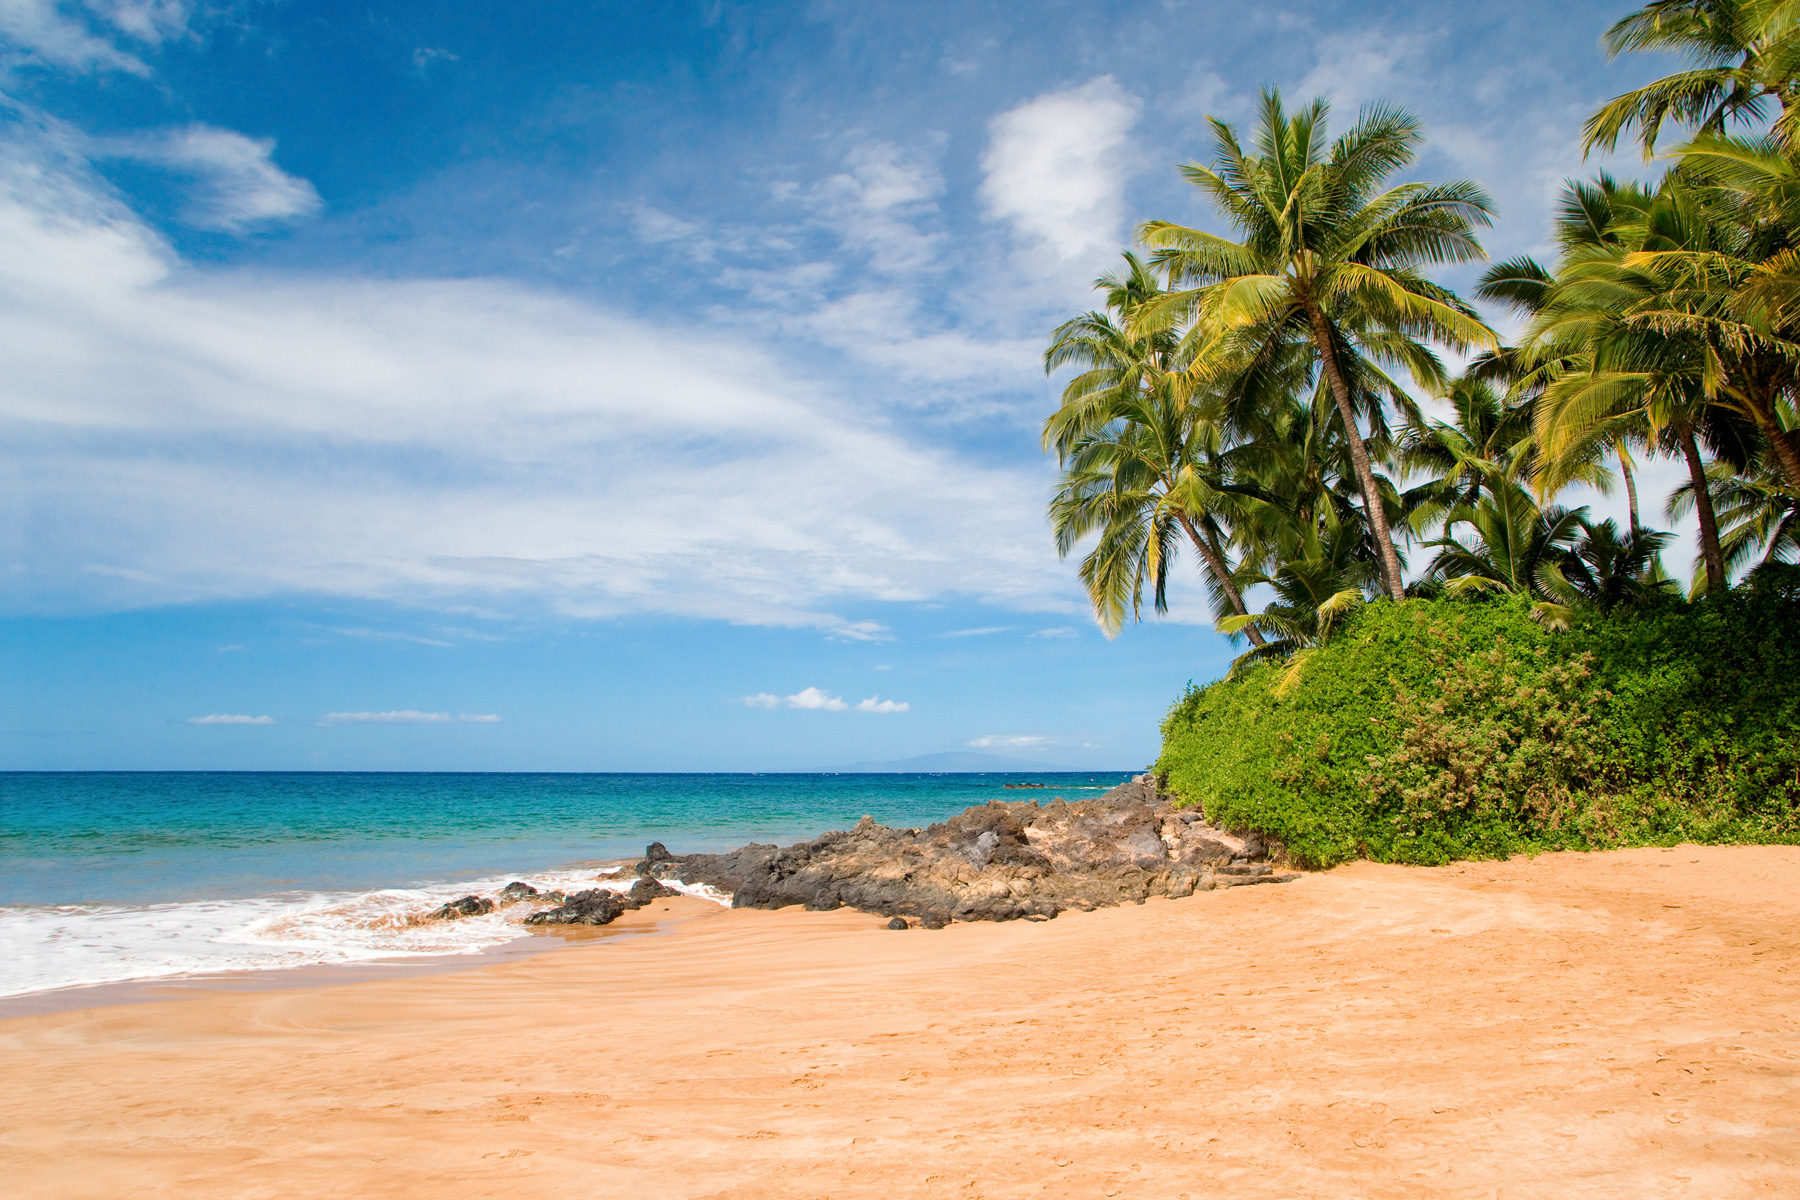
[468,906]
[602,906]
[996,862]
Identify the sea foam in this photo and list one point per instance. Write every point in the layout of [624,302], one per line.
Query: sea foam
[45,948]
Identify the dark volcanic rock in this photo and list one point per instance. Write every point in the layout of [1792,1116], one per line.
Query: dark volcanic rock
[602,906]
[596,906]
[646,889]
[517,891]
[468,906]
[995,862]
[898,923]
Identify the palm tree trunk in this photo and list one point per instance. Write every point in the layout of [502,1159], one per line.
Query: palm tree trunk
[1215,562]
[1389,558]
[1785,455]
[1630,487]
[1709,523]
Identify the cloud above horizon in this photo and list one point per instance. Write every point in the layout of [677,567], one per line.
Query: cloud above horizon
[1011,741]
[814,699]
[230,719]
[454,440]
[406,716]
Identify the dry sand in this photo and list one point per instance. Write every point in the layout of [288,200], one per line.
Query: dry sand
[1622,1025]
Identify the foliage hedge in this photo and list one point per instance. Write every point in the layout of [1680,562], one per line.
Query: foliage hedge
[1434,730]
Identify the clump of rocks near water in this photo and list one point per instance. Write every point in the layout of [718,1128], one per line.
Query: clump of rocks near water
[999,861]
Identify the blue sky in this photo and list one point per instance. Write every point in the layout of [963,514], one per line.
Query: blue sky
[595,386]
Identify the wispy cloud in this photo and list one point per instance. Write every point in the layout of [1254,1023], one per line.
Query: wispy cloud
[406,716]
[875,704]
[527,406]
[390,635]
[230,719]
[1057,631]
[984,631]
[816,698]
[235,183]
[424,56]
[763,700]
[1010,741]
[44,33]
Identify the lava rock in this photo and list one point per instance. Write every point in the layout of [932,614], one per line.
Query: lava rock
[517,891]
[1000,861]
[646,889]
[596,906]
[468,906]
[898,923]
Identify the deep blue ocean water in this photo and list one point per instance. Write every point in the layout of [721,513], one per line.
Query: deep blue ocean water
[121,875]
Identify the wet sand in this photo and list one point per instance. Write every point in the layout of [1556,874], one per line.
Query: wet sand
[1620,1025]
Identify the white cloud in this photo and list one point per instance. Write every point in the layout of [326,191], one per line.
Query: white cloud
[479,718]
[984,631]
[875,704]
[877,202]
[424,56]
[763,700]
[230,719]
[42,33]
[1056,168]
[1059,631]
[814,698]
[236,184]
[405,716]
[178,435]
[1010,741]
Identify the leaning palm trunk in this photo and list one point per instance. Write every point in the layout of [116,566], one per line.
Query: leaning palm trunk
[1710,552]
[1215,562]
[1359,458]
[1630,487]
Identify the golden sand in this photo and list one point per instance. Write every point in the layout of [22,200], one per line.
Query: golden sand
[1619,1025]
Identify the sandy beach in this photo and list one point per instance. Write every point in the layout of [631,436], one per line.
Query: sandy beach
[1623,1025]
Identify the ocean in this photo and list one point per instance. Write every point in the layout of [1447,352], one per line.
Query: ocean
[113,876]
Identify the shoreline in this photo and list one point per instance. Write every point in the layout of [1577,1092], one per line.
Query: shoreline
[1609,1024]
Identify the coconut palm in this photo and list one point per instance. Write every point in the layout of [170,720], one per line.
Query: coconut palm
[1485,440]
[1517,548]
[1610,569]
[1611,370]
[1314,591]
[1759,517]
[1137,460]
[1744,54]
[1328,256]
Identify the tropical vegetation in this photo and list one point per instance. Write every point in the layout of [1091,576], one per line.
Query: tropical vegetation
[1274,404]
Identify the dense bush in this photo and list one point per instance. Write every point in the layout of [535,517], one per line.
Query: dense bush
[1455,728]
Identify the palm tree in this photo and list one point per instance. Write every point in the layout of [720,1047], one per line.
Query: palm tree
[1326,256]
[1137,462]
[1613,367]
[1758,515]
[1610,569]
[1486,440]
[1517,548]
[1744,53]
[1314,591]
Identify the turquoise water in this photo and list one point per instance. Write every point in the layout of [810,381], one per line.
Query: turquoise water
[107,876]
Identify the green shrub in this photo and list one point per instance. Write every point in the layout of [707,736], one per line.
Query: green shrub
[1434,730]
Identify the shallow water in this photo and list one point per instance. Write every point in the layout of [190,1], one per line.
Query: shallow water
[117,876]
